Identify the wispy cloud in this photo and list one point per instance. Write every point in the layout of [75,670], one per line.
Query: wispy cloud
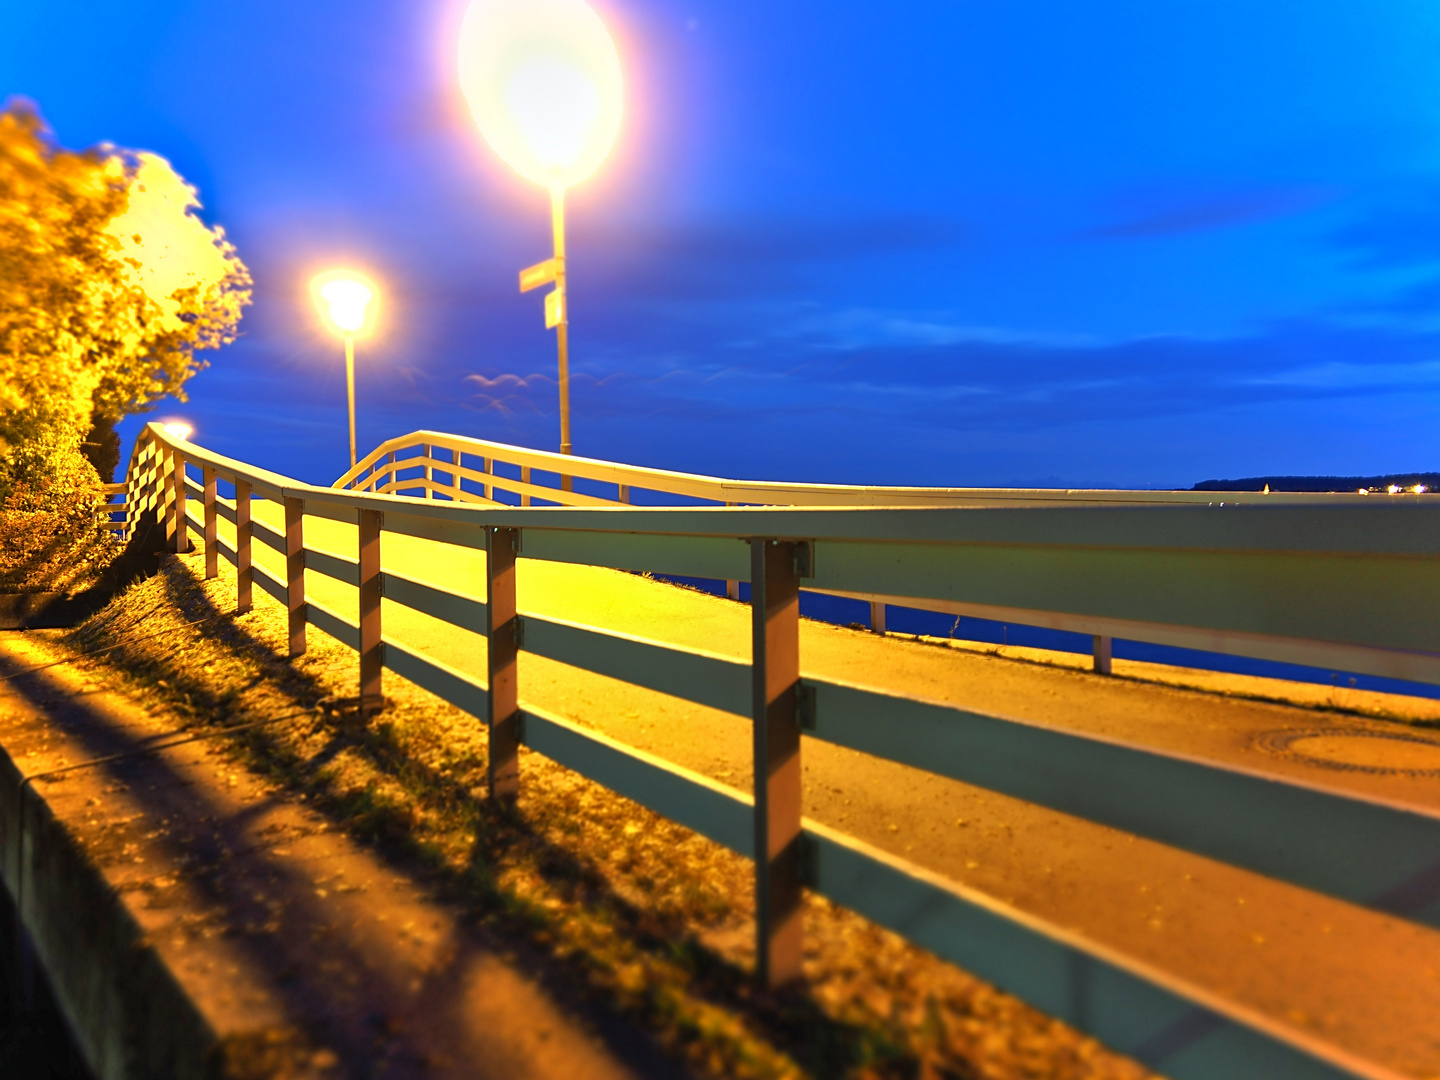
[1177,215]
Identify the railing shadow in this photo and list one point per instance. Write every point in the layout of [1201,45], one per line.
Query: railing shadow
[793,1020]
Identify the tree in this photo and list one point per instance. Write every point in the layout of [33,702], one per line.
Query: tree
[109,286]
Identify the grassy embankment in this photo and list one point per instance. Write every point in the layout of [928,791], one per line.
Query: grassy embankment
[649,919]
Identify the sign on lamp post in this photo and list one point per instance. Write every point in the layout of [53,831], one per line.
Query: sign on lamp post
[542,79]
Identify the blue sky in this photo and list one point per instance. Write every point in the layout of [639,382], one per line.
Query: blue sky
[973,242]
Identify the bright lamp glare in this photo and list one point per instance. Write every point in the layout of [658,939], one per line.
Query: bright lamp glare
[543,81]
[346,300]
[177,429]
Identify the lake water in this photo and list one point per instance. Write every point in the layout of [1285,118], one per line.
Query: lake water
[844,612]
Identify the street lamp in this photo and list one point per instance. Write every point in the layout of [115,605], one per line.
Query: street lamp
[543,82]
[347,303]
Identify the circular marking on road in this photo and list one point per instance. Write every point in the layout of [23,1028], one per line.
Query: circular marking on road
[1382,752]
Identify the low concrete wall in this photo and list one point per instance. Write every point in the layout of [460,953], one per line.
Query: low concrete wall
[128,1016]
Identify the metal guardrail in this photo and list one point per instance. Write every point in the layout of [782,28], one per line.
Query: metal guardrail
[1340,574]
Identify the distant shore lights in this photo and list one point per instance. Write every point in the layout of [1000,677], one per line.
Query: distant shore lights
[542,78]
[348,303]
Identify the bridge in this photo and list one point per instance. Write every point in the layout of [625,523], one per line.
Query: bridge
[513,583]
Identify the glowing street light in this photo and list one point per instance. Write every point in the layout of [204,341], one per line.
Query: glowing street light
[177,429]
[348,303]
[542,78]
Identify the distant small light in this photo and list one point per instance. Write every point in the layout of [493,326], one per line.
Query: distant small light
[1363,491]
[178,429]
[1394,489]
[1419,489]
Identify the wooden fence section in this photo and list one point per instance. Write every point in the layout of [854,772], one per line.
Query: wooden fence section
[1339,574]
[434,465]
[107,507]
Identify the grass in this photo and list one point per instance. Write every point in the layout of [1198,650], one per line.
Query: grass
[642,916]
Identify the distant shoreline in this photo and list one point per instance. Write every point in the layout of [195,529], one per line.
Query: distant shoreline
[1430,480]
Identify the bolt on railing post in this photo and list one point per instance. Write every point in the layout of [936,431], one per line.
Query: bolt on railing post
[775,660]
[1103,649]
[244,573]
[877,617]
[502,647]
[181,531]
[295,573]
[212,525]
[371,658]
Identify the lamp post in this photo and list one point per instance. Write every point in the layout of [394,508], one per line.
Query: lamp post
[542,79]
[347,303]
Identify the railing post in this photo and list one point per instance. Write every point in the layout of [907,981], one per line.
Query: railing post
[732,585]
[487,466]
[244,575]
[295,573]
[524,479]
[502,631]
[428,450]
[622,493]
[877,617]
[132,494]
[212,526]
[165,494]
[371,657]
[1102,654]
[775,660]
[177,481]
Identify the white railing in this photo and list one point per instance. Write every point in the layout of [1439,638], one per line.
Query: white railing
[434,465]
[1332,574]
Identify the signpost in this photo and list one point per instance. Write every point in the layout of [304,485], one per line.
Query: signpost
[554,127]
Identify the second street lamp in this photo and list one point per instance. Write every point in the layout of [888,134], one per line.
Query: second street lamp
[348,303]
[542,79]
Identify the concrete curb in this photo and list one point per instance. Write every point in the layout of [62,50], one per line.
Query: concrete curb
[128,1015]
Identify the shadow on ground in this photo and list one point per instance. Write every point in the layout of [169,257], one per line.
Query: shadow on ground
[645,1033]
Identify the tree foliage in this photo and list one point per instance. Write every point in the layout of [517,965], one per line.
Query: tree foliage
[109,286]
